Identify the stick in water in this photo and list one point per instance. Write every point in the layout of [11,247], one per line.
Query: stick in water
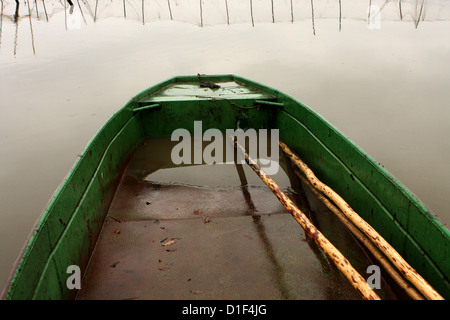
[357,281]
[361,237]
[397,260]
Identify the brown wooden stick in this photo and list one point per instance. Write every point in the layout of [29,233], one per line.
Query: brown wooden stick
[361,237]
[397,260]
[357,281]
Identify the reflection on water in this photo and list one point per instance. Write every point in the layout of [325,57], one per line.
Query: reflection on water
[377,70]
[213,12]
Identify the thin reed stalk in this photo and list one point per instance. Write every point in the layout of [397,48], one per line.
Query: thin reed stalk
[82,14]
[400,9]
[45,10]
[292,12]
[143,13]
[228,15]
[273,13]
[37,11]
[95,13]
[201,14]
[31,27]
[1,23]
[251,12]
[170,9]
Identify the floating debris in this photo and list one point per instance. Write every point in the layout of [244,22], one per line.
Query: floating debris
[196,291]
[167,242]
[206,219]
[198,212]
[115,219]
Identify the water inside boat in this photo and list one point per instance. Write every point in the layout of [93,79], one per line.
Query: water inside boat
[215,232]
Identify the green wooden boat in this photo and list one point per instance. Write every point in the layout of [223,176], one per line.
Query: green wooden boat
[133,238]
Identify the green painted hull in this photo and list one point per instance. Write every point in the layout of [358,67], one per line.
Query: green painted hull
[68,228]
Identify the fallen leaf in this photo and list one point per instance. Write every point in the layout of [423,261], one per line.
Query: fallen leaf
[169,242]
[196,291]
[206,219]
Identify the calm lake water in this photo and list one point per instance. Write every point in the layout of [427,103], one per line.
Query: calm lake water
[384,81]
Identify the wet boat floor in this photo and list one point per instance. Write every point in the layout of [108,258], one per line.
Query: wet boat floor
[164,240]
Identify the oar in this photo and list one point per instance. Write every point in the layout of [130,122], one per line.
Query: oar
[357,281]
[361,237]
[397,260]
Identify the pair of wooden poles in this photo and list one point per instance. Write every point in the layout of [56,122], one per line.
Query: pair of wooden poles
[360,228]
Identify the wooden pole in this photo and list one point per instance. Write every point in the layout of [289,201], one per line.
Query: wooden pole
[251,12]
[37,11]
[201,14]
[312,17]
[292,12]
[357,281]
[143,13]
[170,9]
[95,15]
[416,22]
[16,21]
[79,6]
[228,15]
[364,240]
[397,260]
[273,13]
[31,27]
[1,22]
[45,10]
